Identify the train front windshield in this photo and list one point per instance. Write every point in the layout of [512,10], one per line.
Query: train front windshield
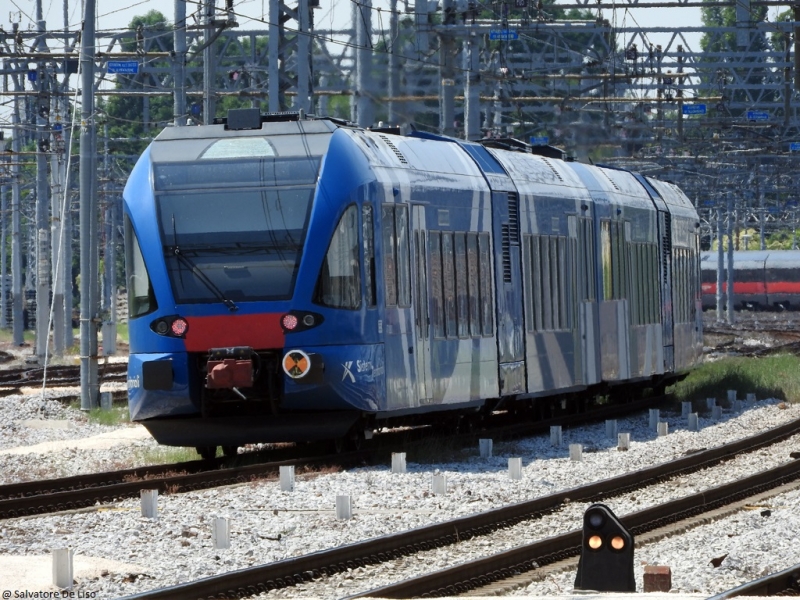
[233,230]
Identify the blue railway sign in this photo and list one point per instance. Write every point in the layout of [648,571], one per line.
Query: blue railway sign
[540,141]
[757,115]
[794,147]
[123,67]
[503,34]
[694,109]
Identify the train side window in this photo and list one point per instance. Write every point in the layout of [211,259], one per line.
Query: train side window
[368,232]
[555,283]
[462,308]
[389,254]
[448,277]
[473,285]
[339,283]
[437,312]
[536,302]
[587,274]
[141,298]
[402,255]
[605,249]
[563,274]
[546,282]
[485,290]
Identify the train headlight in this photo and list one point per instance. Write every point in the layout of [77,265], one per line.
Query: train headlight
[172,326]
[296,321]
[179,327]
[289,322]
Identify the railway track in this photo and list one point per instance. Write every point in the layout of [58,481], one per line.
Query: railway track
[457,580]
[783,583]
[13,380]
[69,493]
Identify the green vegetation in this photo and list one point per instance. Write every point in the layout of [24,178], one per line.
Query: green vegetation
[770,377]
[162,455]
[118,415]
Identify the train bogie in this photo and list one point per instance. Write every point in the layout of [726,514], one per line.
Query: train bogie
[303,278]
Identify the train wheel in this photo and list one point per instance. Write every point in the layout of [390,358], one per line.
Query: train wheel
[229,451]
[207,452]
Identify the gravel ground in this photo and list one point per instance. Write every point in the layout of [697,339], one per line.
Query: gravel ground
[268,525]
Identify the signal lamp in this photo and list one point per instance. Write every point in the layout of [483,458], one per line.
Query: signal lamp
[289,322]
[179,327]
[617,542]
[595,542]
[606,563]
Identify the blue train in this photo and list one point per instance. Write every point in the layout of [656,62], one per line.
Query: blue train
[295,278]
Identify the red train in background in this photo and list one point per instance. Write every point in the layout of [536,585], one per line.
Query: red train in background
[762,279]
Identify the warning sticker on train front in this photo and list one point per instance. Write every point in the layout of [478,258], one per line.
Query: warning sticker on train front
[296,364]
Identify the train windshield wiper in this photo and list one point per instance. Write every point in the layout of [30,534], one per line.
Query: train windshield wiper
[205,279]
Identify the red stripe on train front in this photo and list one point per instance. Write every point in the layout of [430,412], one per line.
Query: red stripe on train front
[260,332]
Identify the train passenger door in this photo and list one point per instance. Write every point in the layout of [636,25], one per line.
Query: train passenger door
[508,282]
[422,327]
[665,248]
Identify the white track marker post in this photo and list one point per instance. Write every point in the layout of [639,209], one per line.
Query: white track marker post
[711,403]
[398,462]
[287,477]
[731,397]
[751,398]
[716,413]
[624,441]
[556,436]
[686,409]
[576,452]
[515,468]
[611,429]
[149,502]
[439,485]
[106,400]
[62,568]
[655,416]
[344,507]
[694,422]
[221,533]
[485,446]
[663,428]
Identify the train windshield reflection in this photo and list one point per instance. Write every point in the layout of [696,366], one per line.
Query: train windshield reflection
[243,244]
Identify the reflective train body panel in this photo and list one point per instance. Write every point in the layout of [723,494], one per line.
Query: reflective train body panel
[763,279]
[305,278]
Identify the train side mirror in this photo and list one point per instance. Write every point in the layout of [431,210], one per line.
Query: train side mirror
[606,563]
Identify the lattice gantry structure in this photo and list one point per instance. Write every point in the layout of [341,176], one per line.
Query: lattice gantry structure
[720,119]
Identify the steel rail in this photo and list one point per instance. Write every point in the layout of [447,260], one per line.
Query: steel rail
[287,572]
[477,573]
[783,583]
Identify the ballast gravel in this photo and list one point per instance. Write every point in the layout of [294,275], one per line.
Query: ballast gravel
[268,524]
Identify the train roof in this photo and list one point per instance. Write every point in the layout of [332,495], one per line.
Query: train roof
[753,259]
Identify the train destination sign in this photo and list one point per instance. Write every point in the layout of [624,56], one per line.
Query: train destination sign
[757,115]
[503,34]
[694,109]
[123,67]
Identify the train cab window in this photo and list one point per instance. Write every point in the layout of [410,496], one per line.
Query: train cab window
[141,299]
[339,283]
[368,233]
[396,264]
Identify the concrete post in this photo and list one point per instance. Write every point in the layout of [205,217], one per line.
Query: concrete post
[221,533]
[655,415]
[62,568]
[611,429]
[686,408]
[485,446]
[149,503]
[555,435]
[286,473]
[694,422]
[344,507]
[439,485]
[398,462]
[515,468]
[624,441]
